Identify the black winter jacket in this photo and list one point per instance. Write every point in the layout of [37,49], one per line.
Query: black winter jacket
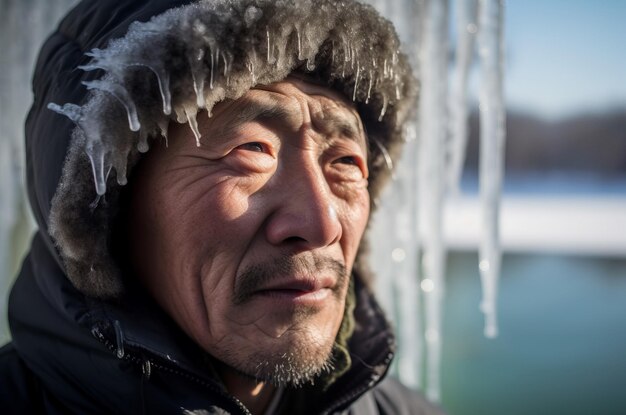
[74,354]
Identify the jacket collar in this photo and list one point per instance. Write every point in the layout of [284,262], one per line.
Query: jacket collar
[45,309]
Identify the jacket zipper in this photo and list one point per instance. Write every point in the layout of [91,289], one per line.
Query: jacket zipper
[141,363]
[154,365]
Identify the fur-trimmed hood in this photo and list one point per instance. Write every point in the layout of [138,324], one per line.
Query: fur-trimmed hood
[122,85]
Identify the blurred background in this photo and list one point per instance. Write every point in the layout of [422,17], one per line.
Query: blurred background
[562,304]
[562,292]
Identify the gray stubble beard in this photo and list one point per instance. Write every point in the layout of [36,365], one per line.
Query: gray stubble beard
[293,368]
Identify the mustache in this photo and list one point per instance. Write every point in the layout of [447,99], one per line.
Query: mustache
[254,277]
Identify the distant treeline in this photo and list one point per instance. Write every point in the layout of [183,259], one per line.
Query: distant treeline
[585,143]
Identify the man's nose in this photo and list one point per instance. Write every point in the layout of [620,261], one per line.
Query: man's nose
[305,215]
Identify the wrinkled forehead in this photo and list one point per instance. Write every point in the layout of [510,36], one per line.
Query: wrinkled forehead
[296,103]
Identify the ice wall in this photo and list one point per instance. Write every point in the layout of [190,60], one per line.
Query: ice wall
[24,24]
[409,251]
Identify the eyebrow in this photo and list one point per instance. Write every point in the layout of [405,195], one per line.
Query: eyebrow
[334,123]
[255,110]
[270,110]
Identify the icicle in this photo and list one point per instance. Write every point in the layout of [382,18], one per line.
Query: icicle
[72,111]
[431,158]
[397,85]
[226,68]
[120,172]
[352,57]
[97,157]
[163,125]
[386,155]
[197,73]
[217,60]
[466,29]
[193,124]
[198,87]
[228,60]
[369,88]
[142,144]
[269,46]
[492,134]
[163,79]
[96,54]
[251,68]
[383,110]
[212,69]
[408,297]
[122,95]
[356,82]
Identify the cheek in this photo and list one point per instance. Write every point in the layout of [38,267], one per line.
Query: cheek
[359,207]
[356,215]
[214,203]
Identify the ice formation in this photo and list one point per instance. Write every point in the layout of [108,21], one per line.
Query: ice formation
[492,125]
[430,172]
[466,28]
[197,62]
[431,183]
[178,65]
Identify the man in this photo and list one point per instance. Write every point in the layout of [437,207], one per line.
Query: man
[227,275]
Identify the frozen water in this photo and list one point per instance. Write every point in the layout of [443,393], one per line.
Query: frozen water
[193,124]
[466,21]
[118,92]
[491,169]
[431,172]
[72,111]
[431,183]
[182,60]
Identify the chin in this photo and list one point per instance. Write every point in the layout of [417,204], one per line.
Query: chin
[298,362]
[294,359]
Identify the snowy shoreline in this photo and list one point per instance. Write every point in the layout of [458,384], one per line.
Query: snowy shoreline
[573,224]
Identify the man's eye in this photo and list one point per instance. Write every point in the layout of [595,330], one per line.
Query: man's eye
[254,146]
[347,160]
[350,168]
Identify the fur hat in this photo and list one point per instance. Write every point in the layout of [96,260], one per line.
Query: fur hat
[192,57]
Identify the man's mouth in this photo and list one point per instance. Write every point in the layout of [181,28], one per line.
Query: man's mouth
[298,290]
[290,279]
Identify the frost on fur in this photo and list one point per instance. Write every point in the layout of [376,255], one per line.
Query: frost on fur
[192,57]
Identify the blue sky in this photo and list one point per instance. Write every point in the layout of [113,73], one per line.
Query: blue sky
[565,57]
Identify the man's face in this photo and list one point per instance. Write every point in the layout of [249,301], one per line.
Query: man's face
[248,241]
